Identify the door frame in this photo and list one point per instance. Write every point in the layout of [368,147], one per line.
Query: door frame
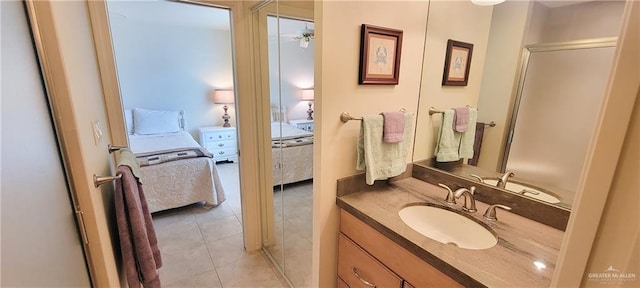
[246,108]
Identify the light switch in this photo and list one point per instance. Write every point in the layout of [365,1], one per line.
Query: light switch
[97,131]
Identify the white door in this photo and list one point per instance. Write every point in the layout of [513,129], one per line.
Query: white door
[41,246]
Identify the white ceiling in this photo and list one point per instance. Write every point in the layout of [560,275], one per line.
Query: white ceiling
[169,13]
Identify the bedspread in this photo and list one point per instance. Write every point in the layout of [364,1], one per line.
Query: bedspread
[182,182]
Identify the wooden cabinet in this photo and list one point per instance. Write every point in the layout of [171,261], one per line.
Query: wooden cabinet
[221,142]
[358,269]
[409,268]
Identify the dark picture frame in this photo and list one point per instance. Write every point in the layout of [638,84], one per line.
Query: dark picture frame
[380,51]
[457,63]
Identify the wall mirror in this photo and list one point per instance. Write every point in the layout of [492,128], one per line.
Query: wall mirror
[541,72]
[283,35]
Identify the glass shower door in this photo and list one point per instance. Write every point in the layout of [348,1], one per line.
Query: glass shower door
[559,105]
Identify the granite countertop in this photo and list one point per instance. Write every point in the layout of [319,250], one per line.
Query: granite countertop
[510,263]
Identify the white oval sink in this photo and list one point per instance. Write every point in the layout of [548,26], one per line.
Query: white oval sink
[448,227]
[526,190]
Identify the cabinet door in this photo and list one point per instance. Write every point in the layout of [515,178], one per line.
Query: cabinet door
[411,268]
[358,269]
[341,284]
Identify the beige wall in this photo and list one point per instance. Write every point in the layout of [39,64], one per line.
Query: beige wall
[337,90]
[508,26]
[581,21]
[471,25]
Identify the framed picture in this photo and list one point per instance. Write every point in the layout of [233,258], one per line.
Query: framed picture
[457,63]
[380,55]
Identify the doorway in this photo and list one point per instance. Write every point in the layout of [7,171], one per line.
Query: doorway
[175,60]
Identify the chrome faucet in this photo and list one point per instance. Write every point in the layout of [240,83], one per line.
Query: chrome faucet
[490,214]
[469,200]
[502,180]
[450,199]
[477,178]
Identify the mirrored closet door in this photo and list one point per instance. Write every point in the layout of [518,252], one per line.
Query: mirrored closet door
[284,47]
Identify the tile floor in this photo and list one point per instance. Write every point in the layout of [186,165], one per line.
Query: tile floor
[204,248]
[292,222]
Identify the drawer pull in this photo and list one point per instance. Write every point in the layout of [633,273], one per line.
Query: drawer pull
[221,152]
[220,145]
[365,282]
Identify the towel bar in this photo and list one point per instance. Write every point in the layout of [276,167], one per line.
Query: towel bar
[114,148]
[346,117]
[433,110]
[99,180]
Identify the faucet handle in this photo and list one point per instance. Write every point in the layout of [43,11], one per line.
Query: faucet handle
[490,214]
[477,178]
[450,199]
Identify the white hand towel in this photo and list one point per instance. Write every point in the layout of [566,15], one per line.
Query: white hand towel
[381,160]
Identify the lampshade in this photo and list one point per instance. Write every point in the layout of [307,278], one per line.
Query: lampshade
[307,94]
[486,2]
[223,96]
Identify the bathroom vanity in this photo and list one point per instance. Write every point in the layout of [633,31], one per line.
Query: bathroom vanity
[376,248]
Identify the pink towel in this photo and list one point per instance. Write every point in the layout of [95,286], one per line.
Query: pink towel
[461,119]
[138,241]
[393,127]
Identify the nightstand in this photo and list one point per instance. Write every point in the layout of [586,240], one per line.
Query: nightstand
[221,142]
[303,124]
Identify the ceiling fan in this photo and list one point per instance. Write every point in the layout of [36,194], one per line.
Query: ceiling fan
[304,36]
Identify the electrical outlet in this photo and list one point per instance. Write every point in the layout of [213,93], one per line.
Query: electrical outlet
[97,131]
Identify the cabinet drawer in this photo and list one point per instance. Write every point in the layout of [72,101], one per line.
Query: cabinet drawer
[359,269]
[218,145]
[307,127]
[220,136]
[218,153]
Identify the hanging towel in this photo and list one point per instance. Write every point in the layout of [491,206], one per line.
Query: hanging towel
[468,137]
[381,160]
[448,145]
[477,144]
[393,127]
[461,119]
[127,158]
[138,242]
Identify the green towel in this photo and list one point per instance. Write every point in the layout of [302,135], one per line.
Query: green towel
[469,137]
[381,160]
[448,140]
[127,158]
[452,145]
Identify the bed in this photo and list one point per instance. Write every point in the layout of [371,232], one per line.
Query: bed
[292,148]
[175,170]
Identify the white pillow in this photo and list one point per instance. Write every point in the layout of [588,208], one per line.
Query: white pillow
[155,121]
[128,121]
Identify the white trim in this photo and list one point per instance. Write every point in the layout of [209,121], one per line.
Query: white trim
[603,155]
